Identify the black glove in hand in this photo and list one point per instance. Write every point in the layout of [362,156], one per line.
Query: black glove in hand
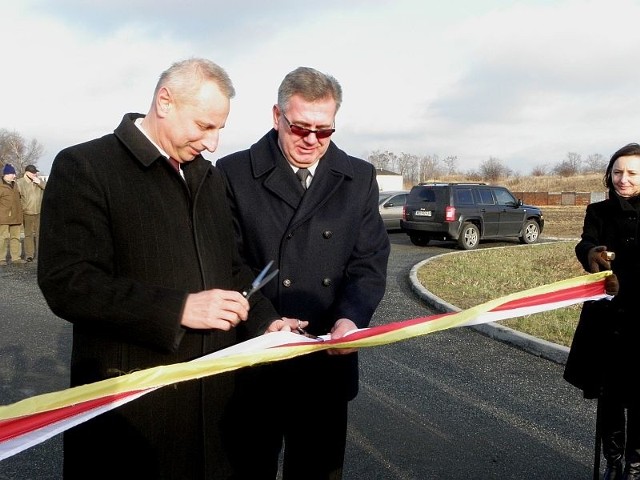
[611,285]
[597,262]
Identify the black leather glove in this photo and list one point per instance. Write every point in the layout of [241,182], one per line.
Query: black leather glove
[597,262]
[611,285]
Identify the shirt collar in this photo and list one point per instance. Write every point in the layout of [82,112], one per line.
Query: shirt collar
[138,123]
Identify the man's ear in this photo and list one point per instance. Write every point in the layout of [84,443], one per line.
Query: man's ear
[276,116]
[163,101]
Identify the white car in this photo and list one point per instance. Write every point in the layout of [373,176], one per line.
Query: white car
[390,204]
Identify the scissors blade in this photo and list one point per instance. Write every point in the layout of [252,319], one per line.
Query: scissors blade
[258,280]
[266,280]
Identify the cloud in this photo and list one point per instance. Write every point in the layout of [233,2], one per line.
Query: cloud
[524,82]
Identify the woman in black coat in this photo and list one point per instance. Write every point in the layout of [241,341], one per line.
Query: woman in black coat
[613,226]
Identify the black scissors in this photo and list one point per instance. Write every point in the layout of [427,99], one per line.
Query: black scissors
[261,280]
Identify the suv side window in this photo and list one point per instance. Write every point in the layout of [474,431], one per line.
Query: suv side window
[485,197]
[504,197]
[464,196]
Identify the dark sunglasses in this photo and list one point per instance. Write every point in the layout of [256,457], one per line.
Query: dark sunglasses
[303,132]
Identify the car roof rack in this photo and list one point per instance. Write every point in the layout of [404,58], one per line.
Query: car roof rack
[452,183]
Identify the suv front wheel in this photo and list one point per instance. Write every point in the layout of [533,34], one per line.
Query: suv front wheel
[530,232]
[469,236]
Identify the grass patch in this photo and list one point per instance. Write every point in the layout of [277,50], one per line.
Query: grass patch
[467,279]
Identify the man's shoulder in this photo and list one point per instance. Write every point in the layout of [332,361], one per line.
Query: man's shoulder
[90,145]
[110,139]
[348,164]
[231,158]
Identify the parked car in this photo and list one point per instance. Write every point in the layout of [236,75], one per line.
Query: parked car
[391,205]
[468,213]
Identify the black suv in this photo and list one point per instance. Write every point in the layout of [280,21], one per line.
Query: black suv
[468,213]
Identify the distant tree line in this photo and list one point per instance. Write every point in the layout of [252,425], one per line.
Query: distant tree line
[422,168]
[18,151]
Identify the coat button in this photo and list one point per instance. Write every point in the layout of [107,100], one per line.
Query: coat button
[327,234]
[286,283]
[326,282]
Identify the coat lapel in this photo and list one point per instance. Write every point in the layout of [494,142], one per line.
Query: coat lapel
[268,161]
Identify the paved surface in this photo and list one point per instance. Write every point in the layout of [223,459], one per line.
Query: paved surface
[458,405]
[450,405]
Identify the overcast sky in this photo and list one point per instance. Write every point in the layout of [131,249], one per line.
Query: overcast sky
[522,81]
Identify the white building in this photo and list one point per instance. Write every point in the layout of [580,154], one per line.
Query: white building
[388,181]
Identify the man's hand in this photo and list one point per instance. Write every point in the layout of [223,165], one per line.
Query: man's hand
[339,330]
[220,309]
[33,177]
[285,324]
[596,260]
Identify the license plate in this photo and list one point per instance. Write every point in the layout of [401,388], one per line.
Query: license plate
[423,213]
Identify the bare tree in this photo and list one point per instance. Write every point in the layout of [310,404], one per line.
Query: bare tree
[539,170]
[493,169]
[595,163]
[386,160]
[570,166]
[450,163]
[407,165]
[14,149]
[428,167]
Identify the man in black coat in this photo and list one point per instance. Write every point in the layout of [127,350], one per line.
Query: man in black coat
[301,201]
[138,252]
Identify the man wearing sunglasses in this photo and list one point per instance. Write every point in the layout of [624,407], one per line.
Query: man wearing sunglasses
[299,199]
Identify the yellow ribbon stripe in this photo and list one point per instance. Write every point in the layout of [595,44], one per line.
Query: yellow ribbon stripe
[169,374]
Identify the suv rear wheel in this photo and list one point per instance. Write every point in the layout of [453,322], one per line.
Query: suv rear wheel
[469,236]
[530,232]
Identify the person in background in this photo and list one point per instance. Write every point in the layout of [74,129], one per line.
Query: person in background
[31,188]
[297,198]
[137,250]
[613,225]
[10,217]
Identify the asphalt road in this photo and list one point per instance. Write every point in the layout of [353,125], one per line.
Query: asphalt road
[449,405]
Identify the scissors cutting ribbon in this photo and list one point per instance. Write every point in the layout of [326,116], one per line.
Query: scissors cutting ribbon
[261,280]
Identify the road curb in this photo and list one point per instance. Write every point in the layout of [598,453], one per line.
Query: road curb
[536,346]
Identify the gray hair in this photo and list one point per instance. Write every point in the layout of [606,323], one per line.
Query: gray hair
[185,77]
[311,85]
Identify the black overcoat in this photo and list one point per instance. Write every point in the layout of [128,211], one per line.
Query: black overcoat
[124,239]
[330,245]
[604,350]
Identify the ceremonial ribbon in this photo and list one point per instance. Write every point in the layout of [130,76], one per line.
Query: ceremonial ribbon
[33,420]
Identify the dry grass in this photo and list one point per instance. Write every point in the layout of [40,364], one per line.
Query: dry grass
[462,279]
[563,222]
[578,183]
[548,183]
[471,278]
